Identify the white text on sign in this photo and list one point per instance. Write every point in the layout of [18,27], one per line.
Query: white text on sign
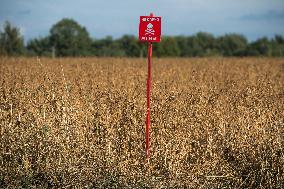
[149,19]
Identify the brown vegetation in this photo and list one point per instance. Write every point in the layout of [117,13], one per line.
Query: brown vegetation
[216,123]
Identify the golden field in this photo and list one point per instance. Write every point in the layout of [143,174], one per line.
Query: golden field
[80,123]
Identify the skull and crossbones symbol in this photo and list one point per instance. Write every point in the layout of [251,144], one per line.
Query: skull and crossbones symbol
[149,30]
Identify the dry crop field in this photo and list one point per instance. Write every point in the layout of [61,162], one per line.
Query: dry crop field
[79,122]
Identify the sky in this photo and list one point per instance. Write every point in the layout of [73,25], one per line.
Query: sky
[252,18]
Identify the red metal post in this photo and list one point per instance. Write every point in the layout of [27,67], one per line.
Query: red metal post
[148,98]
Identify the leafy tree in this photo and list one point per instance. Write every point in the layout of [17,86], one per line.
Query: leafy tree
[184,46]
[279,39]
[40,47]
[232,45]
[205,40]
[70,39]
[261,47]
[107,47]
[130,45]
[167,47]
[11,41]
[202,44]
[277,46]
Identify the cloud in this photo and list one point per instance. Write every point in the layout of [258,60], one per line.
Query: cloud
[269,15]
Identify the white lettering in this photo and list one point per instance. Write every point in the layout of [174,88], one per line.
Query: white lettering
[143,38]
[150,19]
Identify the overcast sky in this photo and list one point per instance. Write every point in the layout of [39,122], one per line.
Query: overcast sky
[253,18]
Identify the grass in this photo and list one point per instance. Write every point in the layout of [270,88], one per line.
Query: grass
[80,122]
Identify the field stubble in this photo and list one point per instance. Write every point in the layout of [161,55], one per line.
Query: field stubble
[215,123]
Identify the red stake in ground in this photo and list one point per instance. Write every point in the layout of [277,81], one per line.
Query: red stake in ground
[149,31]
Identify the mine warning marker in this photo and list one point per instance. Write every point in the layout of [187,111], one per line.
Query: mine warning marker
[149,31]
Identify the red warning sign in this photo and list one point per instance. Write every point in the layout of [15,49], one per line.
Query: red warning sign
[150,29]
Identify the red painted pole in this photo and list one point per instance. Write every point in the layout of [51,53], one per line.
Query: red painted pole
[148,98]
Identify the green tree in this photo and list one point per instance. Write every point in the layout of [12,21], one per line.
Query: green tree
[261,47]
[202,44]
[277,46]
[130,45]
[184,46]
[40,47]
[168,47]
[70,39]
[232,45]
[11,41]
[107,47]
[102,47]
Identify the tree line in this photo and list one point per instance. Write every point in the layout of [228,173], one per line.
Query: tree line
[69,38]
